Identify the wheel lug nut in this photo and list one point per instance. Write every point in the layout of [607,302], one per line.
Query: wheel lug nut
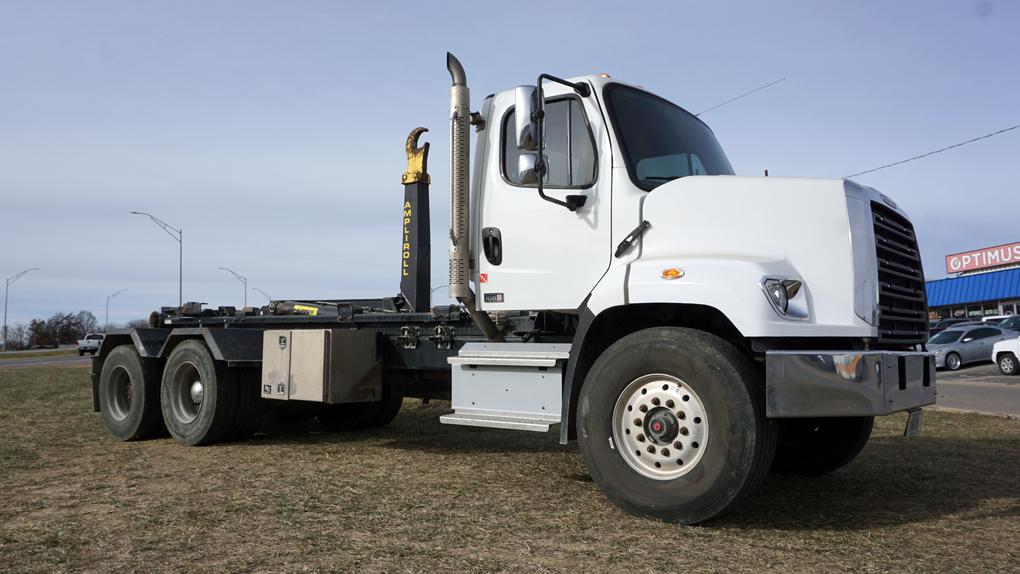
[669,403]
[655,401]
[651,449]
[664,452]
[643,409]
[678,445]
[641,438]
[637,422]
[681,415]
[683,431]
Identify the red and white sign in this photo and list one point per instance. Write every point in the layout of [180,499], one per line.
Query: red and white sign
[983,258]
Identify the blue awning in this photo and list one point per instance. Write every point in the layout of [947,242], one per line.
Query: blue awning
[992,286]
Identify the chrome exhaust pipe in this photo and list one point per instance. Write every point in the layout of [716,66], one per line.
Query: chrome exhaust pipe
[460,189]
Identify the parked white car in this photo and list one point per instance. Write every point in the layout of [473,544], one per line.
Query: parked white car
[90,344]
[1005,354]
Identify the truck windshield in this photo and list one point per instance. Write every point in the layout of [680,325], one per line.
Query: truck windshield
[661,141]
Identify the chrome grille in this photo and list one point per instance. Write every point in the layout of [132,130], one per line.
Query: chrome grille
[902,302]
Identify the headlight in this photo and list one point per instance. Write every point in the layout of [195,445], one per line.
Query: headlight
[786,297]
[938,352]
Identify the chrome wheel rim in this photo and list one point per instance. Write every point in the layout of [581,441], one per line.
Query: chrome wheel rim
[119,394]
[660,427]
[187,393]
[953,362]
[1006,364]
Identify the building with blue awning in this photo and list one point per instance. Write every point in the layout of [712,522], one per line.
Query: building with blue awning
[988,284]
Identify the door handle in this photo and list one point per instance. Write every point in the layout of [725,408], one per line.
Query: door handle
[492,245]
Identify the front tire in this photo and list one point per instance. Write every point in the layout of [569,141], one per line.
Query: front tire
[657,384]
[817,446]
[953,362]
[198,395]
[129,395]
[1008,364]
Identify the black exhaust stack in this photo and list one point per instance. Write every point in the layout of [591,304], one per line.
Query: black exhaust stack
[415,252]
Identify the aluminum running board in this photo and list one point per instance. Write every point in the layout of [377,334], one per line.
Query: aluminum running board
[498,421]
[507,385]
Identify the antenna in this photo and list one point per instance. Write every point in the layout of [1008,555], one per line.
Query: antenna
[940,150]
[758,89]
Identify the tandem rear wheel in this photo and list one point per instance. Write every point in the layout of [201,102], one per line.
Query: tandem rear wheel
[129,395]
[671,424]
[203,401]
[357,416]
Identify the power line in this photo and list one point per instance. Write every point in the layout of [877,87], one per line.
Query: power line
[758,89]
[934,152]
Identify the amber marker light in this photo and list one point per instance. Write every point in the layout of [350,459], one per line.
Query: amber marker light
[672,273]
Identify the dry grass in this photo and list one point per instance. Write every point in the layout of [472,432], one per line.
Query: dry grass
[418,496]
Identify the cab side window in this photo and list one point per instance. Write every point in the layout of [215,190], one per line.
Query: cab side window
[569,148]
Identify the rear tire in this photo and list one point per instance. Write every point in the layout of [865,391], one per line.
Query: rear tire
[641,380]
[129,395]
[250,406]
[357,416]
[817,446]
[198,395]
[1008,364]
[953,362]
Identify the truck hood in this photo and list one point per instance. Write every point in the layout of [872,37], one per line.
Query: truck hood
[788,228]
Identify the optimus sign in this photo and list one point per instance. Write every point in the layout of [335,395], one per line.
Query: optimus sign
[983,258]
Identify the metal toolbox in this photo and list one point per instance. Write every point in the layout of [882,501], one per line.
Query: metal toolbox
[321,365]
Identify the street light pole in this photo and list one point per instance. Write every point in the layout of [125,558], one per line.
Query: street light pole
[242,279]
[106,329]
[7,287]
[264,294]
[179,238]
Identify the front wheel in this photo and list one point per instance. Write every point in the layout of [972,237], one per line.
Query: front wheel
[817,446]
[671,424]
[1008,364]
[953,361]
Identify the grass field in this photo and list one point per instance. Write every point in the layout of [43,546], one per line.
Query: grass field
[419,496]
[37,354]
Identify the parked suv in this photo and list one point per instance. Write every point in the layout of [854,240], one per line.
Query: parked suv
[1005,354]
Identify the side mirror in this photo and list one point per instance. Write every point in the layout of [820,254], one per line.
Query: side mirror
[527,169]
[527,128]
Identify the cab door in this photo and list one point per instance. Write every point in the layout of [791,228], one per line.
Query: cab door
[532,254]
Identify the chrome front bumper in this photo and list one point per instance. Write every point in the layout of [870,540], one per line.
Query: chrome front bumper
[847,383]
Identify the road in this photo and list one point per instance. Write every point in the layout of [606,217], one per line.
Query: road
[979,388]
[51,361]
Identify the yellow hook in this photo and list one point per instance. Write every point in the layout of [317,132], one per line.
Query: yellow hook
[417,159]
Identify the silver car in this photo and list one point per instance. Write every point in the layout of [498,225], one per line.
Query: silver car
[961,345]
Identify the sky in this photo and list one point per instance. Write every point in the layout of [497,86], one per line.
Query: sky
[272,133]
